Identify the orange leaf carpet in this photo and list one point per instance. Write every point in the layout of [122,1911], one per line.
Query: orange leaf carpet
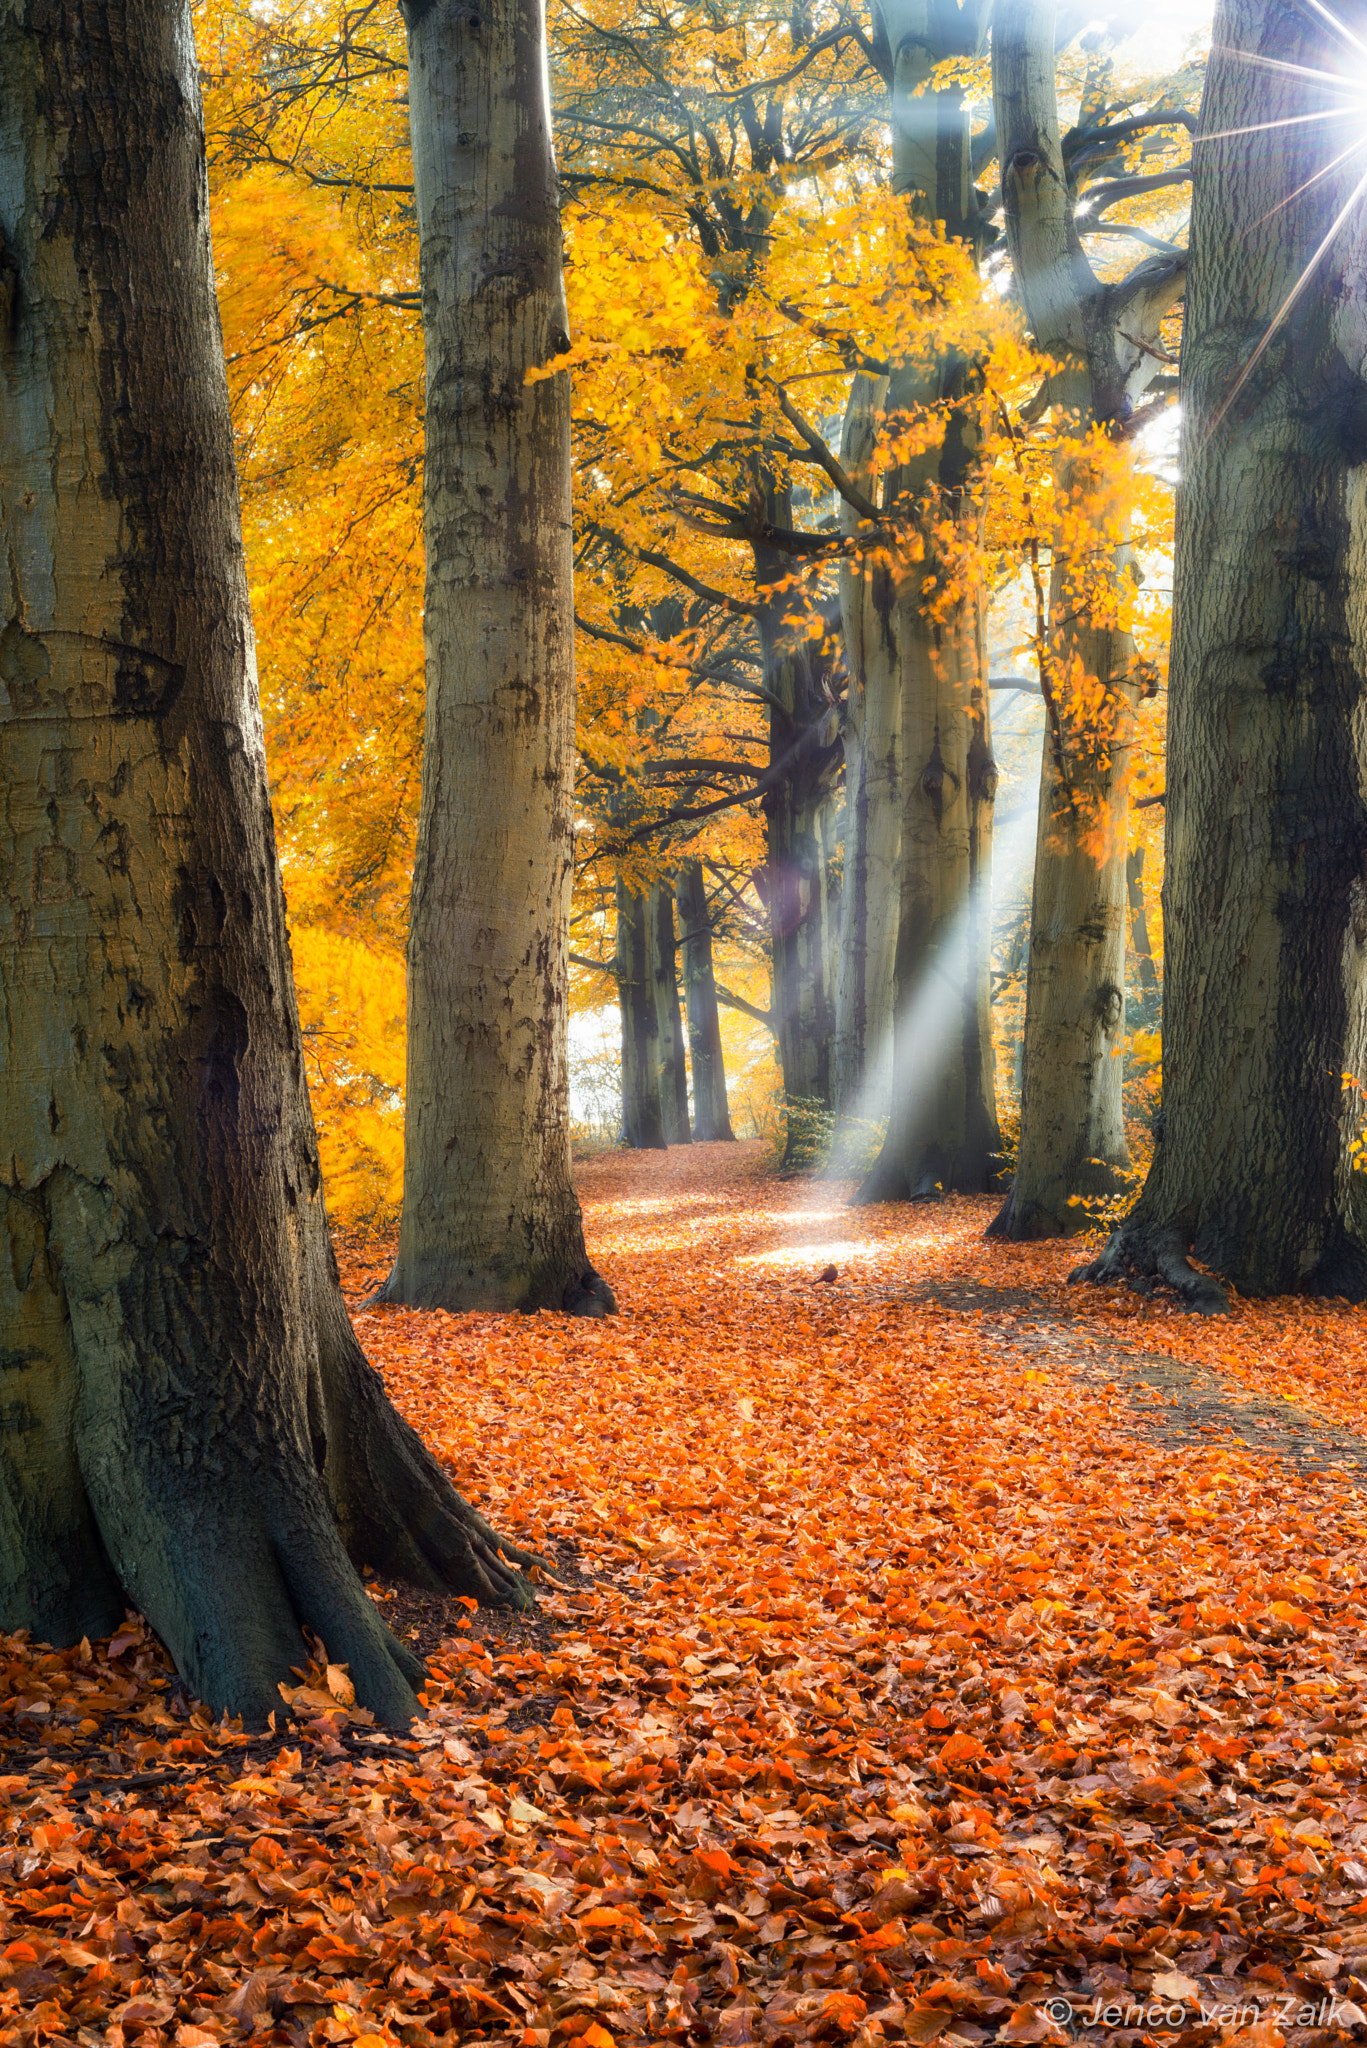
[930,1653]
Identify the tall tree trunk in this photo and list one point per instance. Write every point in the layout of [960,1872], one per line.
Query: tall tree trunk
[711,1111]
[1265,894]
[803,737]
[490,1218]
[1140,944]
[190,1424]
[861,1066]
[1072,1139]
[664,966]
[642,1116]
[942,1127]
[942,1131]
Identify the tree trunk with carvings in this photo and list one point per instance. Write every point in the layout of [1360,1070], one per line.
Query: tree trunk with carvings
[1265,892]
[490,1217]
[190,1424]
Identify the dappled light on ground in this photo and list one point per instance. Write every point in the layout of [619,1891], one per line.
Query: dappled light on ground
[933,1652]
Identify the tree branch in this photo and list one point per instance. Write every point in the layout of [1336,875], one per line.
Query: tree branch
[764,1017]
[1102,197]
[847,488]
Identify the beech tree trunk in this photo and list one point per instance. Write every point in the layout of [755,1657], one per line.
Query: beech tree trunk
[189,1423]
[490,1218]
[1105,339]
[642,1116]
[797,882]
[1140,944]
[664,963]
[1265,894]
[711,1111]
[925,682]
[861,1065]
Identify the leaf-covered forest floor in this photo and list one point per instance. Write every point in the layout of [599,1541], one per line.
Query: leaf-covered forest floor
[935,1653]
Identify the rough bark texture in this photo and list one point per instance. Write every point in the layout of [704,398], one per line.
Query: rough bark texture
[1265,895]
[711,1111]
[189,1424]
[664,967]
[642,1117]
[490,1218]
[1072,1125]
[925,684]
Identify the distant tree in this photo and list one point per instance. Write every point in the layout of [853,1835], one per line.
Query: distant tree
[643,1124]
[920,771]
[1265,908]
[711,1112]
[1106,339]
[190,1424]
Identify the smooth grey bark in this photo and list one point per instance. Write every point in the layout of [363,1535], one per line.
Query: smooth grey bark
[642,1114]
[1105,339]
[861,1061]
[711,1111]
[664,968]
[490,1217]
[189,1422]
[1265,894]
[925,679]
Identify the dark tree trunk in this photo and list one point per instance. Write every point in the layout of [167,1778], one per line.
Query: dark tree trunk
[711,1111]
[1265,895]
[190,1424]
[1140,944]
[642,1118]
[490,1217]
[804,739]
[664,964]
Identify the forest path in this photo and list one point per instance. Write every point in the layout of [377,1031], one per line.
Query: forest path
[914,1674]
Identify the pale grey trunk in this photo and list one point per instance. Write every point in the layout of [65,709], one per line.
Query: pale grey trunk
[642,1115]
[664,965]
[711,1111]
[861,1065]
[1104,338]
[1265,893]
[189,1423]
[490,1219]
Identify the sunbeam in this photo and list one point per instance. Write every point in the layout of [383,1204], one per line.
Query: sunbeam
[1289,301]
[935,1009]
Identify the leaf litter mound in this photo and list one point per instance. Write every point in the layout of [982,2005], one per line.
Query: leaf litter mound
[890,1684]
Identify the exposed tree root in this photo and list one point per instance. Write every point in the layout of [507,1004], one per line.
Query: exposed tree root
[1143,1255]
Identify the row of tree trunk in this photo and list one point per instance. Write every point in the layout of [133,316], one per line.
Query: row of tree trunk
[907,1035]
[655,1104]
